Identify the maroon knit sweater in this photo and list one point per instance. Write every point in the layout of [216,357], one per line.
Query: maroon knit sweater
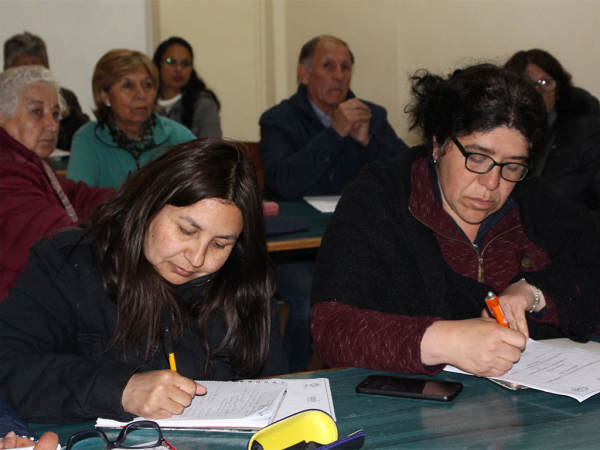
[347,335]
[30,208]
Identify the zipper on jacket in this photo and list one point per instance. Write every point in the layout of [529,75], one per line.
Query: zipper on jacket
[480,271]
[472,245]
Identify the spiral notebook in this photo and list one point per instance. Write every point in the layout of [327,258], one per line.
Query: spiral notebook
[228,405]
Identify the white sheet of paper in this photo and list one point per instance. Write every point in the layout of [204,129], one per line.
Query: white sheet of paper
[564,371]
[235,401]
[314,393]
[57,153]
[242,404]
[301,394]
[590,346]
[324,203]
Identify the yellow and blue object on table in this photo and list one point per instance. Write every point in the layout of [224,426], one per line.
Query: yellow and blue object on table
[303,431]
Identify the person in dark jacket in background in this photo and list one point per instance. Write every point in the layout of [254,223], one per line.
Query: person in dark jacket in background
[179,251]
[315,143]
[28,49]
[413,248]
[571,160]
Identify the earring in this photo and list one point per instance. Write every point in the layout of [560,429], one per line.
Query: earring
[435,161]
[108,105]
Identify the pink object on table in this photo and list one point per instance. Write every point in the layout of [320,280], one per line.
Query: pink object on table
[270,209]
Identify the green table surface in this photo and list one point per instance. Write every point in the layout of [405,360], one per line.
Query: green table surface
[483,416]
[59,163]
[301,210]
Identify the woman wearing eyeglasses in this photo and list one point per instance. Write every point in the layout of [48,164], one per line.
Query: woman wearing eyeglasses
[183,96]
[181,247]
[571,160]
[413,248]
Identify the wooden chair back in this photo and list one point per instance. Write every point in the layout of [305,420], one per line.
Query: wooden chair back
[253,152]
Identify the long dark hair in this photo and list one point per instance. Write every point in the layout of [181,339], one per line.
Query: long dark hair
[477,99]
[241,291]
[193,88]
[565,92]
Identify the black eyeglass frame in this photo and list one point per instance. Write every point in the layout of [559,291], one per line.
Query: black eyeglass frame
[118,443]
[466,154]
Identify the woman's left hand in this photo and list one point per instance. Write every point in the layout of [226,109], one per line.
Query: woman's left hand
[11,440]
[516,299]
[49,441]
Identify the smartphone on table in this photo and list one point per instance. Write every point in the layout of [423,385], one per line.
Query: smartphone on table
[421,388]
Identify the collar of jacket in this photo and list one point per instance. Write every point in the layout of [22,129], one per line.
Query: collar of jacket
[162,132]
[13,150]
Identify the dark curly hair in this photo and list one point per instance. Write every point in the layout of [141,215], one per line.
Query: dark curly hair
[193,88]
[479,98]
[565,91]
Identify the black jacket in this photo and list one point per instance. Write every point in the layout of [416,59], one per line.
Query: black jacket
[381,278]
[56,325]
[376,255]
[74,120]
[300,156]
[573,162]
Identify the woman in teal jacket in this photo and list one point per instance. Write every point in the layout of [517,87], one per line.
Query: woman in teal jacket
[127,133]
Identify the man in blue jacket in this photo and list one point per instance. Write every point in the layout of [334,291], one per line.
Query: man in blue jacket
[318,140]
[315,143]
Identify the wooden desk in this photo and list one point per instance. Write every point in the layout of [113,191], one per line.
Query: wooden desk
[310,238]
[483,416]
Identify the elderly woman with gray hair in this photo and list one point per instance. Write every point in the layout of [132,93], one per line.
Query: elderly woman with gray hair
[27,49]
[35,201]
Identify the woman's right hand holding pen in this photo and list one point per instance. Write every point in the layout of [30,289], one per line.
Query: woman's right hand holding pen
[479,346]
[159,394]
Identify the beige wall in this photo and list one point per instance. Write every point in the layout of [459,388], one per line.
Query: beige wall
[78,33]
[229,46]
[247,49]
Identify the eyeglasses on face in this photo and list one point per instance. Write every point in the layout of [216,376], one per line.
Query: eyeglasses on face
[131,436]
[185,63]
[545,84]
[479,163]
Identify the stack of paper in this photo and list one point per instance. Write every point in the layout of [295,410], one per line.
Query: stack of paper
[564,371]
[248,404]
[312,393]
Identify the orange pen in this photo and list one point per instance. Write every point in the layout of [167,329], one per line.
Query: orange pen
[494,306]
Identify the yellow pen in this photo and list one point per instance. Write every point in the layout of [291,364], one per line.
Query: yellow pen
[169,349]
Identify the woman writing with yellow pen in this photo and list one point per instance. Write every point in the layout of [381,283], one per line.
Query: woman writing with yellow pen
[181,246]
